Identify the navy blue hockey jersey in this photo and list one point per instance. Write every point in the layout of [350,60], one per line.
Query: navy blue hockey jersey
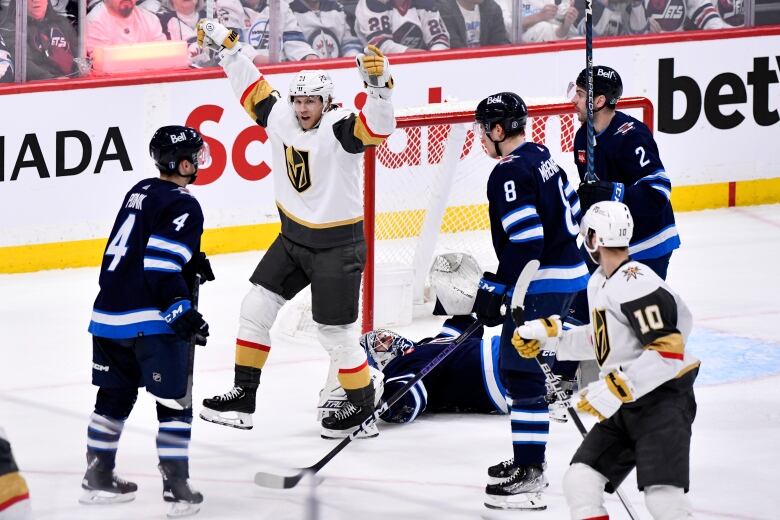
[466,381]
[533,215]
[155,236]
[626,153]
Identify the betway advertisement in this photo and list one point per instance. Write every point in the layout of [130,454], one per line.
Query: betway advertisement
[67,158]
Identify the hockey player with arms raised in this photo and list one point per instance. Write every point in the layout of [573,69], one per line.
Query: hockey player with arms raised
[533,212]
[317,152]
[644,395]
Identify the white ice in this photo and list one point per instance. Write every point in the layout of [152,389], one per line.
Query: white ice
[433,468]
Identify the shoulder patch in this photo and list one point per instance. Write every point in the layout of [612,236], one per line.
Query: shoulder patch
[631,273]
[624,128]
[507,159]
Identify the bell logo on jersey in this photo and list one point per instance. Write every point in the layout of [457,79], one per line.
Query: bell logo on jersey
[600,335]
[298,168]
[178,138]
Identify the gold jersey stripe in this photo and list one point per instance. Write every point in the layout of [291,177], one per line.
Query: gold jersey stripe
[364,134]
[357,379]
[313,225]
[670,346]
[256,93]
[13,489]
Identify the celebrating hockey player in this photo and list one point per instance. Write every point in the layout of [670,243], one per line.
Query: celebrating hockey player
[317,153]
[144,322]
[644,396]
[533,212]
[628,167]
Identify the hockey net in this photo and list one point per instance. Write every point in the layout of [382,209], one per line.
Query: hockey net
[425,194]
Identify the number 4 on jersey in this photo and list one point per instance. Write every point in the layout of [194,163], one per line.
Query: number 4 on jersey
[117,247]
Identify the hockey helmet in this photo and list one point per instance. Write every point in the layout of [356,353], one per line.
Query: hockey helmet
[311,83]
[383,345]
[606,82]
[505,108]
[172,144]
[455,280]
[607,224]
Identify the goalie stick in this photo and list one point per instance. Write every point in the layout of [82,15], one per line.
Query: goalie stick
[271,480]
[518,316]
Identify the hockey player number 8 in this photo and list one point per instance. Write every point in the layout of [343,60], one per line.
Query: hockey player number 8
[650,315]
[117,247]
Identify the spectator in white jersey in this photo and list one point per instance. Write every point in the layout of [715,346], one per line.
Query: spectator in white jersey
[396,26]
[473,23]
[121,22]
[548,20]
[324,25]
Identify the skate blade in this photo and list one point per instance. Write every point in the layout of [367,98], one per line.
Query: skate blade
[519,502]
[180,509]
[240,420]
[370,433]
[94,497]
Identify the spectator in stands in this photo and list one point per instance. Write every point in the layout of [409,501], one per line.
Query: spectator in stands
[473,23]
[548,20]
[6,61]
[732,12]
[121,22]
[250,19]
[179,24]
[401,25]
[324,25]
[51,42]
[611,17]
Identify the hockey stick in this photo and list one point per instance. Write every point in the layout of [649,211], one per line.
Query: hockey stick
[519,318]
[590,174]
[271,480]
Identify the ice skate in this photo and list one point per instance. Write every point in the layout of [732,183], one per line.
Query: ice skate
[501,472]
[102,486]
[234,408]
[523,491]
[177,491]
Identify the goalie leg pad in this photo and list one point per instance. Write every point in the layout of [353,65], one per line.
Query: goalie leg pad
[583,488]
[667,503]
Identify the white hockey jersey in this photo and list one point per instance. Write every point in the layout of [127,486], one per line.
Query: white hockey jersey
[673,15]
[398,25]
[546,30]
[317,173]
[638,325]
[253,26]
[326,29]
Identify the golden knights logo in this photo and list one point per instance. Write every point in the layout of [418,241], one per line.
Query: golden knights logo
[298,168]
[600,336]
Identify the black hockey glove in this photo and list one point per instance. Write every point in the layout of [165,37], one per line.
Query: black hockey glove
[204,269]
[490,298]
[186,322]
[593,192]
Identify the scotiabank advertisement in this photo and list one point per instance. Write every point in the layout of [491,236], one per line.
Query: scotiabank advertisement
[68,157]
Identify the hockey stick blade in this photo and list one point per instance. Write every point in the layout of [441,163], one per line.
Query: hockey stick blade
[270,480]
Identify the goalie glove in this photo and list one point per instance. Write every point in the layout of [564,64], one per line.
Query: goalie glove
[213,35]
[602,398]
[531,336]
[374,70]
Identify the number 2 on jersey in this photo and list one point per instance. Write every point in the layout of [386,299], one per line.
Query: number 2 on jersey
[117,246]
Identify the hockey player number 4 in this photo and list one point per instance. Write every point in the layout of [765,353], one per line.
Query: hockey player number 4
[118,245]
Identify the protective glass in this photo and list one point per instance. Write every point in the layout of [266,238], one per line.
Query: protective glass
[571,90]
[202,157]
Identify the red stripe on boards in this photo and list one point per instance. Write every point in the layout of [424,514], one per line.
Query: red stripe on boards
[249,344]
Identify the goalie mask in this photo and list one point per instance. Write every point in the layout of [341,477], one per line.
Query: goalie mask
[455,280]
[383,345]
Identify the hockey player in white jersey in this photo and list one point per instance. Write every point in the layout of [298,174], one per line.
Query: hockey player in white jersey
[644,397]
[317,151]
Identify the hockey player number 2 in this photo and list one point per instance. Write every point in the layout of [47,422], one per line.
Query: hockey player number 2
[650,315]
[117,247]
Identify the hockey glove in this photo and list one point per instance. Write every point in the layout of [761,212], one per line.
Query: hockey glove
[531,336]
[374,70]
[602,398]
[593,192]
[204,269]
[186,322]
[213,35]
[490,298]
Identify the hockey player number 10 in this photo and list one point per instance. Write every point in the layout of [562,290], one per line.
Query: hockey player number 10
[650,315]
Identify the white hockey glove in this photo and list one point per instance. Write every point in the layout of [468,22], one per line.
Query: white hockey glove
[374,70]
[213,35]
[530,337]
[602,398]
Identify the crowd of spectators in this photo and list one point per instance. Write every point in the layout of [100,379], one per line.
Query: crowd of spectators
[313,29]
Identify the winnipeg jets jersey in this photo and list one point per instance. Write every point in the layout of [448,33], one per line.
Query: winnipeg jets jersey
[397,25]
[326,29]
[673,15]
[316,173]
[638,325]
[626,152]
[465,381]
[533,216]
[153,242]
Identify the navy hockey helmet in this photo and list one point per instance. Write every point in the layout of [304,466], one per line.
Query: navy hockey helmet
[172,144]
[505,108]
[606,82]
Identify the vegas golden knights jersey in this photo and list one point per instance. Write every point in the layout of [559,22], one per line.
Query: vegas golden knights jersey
[638,325]
[316,173]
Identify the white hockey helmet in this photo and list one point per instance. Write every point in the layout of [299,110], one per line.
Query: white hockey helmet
[455,280]
[311,83]
[611,224]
